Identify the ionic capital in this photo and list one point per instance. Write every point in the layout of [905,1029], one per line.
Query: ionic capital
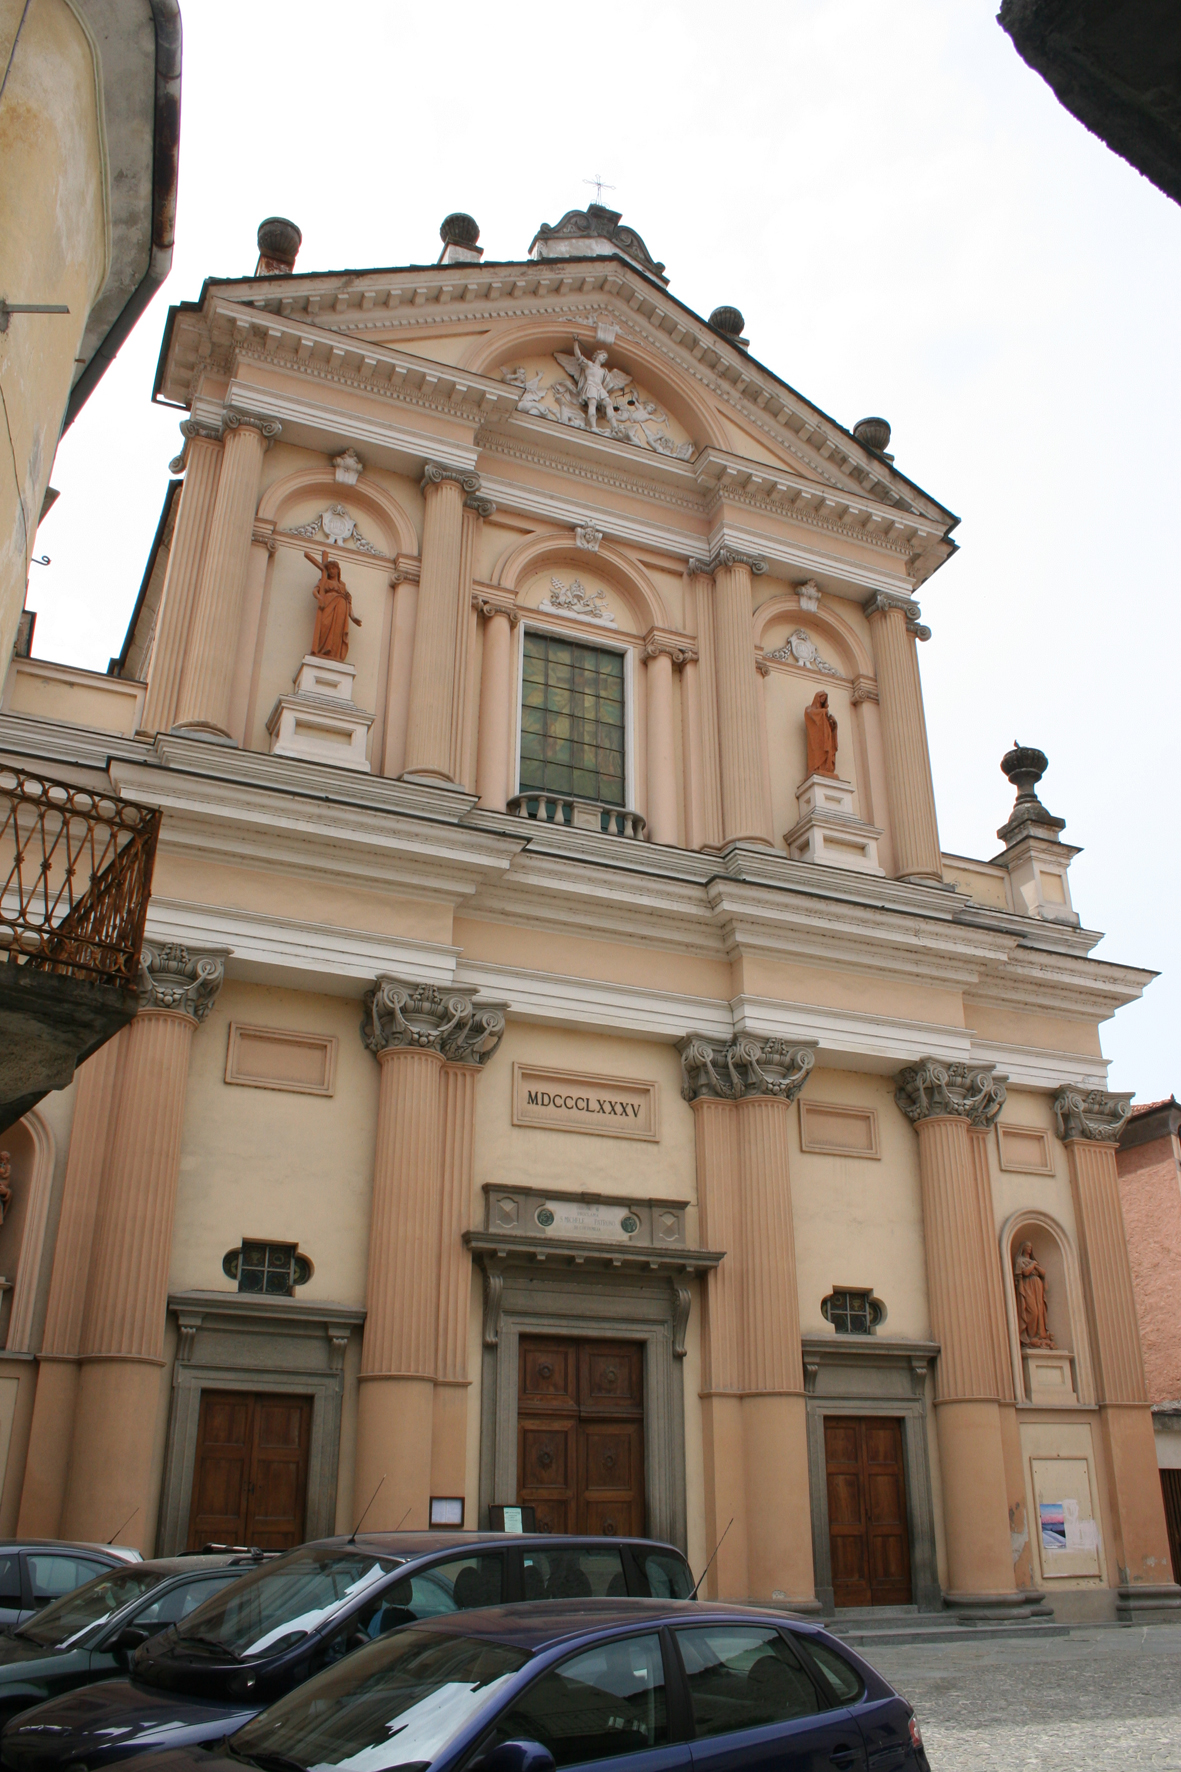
[748,1066]
[678,647]
[422,1017]
[483,507]
[182,979]
[930,1090]
[190,430]
[488,604]
[696,567]
[882,602]
[864,689]
[436,472]
[269,428]
[732,557]
[1091,1113]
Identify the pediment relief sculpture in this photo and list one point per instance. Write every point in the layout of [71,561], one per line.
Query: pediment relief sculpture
[340,529]
[591,396]
[574,599]
[799,648]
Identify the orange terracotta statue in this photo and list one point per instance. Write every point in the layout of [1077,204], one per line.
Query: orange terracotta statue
[331,636]
[1029,1281]
[821,730]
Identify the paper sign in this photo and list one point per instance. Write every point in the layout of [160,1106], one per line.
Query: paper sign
[512,1520]
[1054,1525]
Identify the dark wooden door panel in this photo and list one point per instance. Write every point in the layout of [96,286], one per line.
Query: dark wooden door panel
[868,1539]
[548,1375]
[250,1472]
[580,1435]
[221,1473]
[278,1473]
[610,1379]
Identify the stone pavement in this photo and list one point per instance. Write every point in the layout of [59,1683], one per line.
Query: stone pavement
[1099,1700]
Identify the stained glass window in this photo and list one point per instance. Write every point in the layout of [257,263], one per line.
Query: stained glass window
[572,720]
[274,1268]
[852,1313]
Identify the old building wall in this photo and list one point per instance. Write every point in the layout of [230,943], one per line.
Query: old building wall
[1150,1193]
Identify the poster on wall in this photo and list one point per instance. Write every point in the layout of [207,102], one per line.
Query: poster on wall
[1053,1518]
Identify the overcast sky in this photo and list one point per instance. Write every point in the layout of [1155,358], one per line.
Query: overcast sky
[911,225]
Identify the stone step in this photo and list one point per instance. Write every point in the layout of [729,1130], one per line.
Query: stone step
[941,1627]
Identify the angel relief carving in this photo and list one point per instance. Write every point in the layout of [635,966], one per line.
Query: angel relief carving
[590,391]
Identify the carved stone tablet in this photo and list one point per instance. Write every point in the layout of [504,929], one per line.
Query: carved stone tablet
[572,1101]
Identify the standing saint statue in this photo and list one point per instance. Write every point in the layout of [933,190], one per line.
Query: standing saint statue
[1029,1282]
[596,385]
[821,730]
[335,612]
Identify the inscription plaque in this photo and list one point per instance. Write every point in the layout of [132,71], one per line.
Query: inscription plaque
[572,1101]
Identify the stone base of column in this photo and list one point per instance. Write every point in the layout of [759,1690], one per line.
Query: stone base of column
[975,1511]
[449,1443]
[778,1500]
[725,1498]
[1141,1549]
[51,1435]
[1020,1528]
[114,1467]
[207,734]
[1145,1604]
[395,1417]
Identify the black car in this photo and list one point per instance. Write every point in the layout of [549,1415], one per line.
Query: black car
[624,1686]
[302,1613]
[93,1632]
[36,1571]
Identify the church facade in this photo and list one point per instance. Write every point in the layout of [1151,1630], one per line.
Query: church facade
[569,1074]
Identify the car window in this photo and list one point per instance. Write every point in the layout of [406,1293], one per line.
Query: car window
[177,1602]
[666,1577]
[574,1574]
[599,1704]
[444,1587]
[742,1678]
[52,1574]
[847,1685]
[72,1616]
[10,1581]
[271,1607]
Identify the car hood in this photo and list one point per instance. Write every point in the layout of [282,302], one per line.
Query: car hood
[116,1718]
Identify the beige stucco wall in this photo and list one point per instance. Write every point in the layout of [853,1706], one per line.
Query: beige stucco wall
[1150,1192]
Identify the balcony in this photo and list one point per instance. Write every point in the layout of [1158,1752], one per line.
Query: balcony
[75,878]
[580,815]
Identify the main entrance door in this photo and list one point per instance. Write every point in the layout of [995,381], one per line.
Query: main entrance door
[580,1434]
[867,1510]
[251,1471]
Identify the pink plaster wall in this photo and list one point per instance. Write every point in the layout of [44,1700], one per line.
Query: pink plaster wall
[1150,1188]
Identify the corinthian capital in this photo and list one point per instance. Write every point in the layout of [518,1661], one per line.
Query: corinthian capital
[176,977]
[436,472]
[427,1019]
[1091,1113]
[968,1091]
[746,1066]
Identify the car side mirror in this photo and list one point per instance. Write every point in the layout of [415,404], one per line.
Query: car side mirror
[130,1638]
[518,1756]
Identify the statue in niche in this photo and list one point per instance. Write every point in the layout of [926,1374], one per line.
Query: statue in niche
[1029,1283]
[596,385]
[335,611]
[821,730]
[5,1184]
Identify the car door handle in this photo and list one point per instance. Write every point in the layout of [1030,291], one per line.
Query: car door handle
[843,1756]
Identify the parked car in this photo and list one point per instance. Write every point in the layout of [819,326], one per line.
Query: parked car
[626,1686]
[35,1571]
[206,1676]
[92,1633]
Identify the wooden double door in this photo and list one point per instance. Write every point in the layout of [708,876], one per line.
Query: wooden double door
[580,1434]
[868,1539]
[251,1471]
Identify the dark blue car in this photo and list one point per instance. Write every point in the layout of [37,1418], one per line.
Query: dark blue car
[646,1685]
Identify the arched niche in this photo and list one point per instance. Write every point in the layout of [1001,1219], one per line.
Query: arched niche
[684,402]
[554,553]
[22,1235]
[1065,1308]
[391,527]
[841,645]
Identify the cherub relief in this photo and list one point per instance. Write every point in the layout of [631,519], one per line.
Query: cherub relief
[596,384]
[821,731]
[532,399]
[331,636]
[1029,1283]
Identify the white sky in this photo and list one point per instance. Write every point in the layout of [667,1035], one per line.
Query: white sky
[912,226]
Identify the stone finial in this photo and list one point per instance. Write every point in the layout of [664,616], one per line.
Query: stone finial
[730,323]
[400,1013]
[1025,765]
[809,595]
[930,1088]
[1091,1113]
[177,977]
[874,433]
[279,241]
[349,467]
[460,235]
[746,1066]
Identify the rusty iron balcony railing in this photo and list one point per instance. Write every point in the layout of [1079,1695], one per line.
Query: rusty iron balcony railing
[76,872]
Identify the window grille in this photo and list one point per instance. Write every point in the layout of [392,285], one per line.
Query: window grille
[572,720]
[853,1313]
[274,1268]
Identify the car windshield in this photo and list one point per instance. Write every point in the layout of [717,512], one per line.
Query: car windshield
[284,1600]
[68,1618]
[395,1704]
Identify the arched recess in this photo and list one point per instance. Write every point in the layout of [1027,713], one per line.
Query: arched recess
[30,1143]
[689,405]
[1066,1312]
[622,574]
[366,499]
[851,653]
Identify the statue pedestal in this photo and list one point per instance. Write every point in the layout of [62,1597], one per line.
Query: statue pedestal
[828,831]
[1048,1376]
[318,721]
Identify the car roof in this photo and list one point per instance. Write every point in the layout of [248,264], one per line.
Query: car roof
[421,1544]
[538,1625]
[118,1553]
[193,1565]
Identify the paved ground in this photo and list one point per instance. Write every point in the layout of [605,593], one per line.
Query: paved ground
[1096,1701]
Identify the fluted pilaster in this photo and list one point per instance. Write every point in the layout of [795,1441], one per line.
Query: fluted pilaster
[97,1088]
[772,1359]
[189,535]
[1106,1271]
[718,1205]
[739,710]
[994,1279]
[496,703]
[703,790]
[430,731]
[403,1289]
[455,1268]
[914,827]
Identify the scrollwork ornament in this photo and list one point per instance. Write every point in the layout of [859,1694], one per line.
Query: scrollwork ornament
[180,978]
[270,428]
[732,557]
[1093,1114]
[749,1065]
[436,472]
[931,1089]
[424,1017]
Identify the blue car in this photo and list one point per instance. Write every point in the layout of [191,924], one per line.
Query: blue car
[632,1685]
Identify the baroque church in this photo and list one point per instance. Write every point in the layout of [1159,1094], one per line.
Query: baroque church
[569,1074]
